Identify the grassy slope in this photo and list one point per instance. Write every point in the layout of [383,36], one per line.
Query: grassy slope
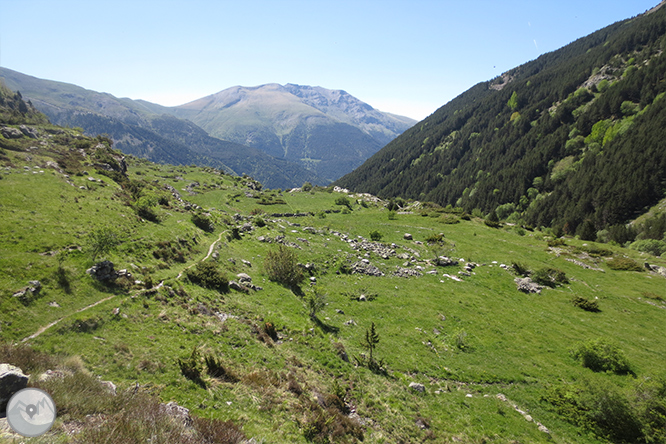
[517,344]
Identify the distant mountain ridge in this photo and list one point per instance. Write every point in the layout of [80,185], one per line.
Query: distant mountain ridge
[573,140]
[328,131]
[281,135]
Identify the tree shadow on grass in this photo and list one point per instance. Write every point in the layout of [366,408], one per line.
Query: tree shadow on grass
[325,327]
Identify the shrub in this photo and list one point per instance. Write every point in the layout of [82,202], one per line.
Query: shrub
[391,215]
[260,222]
[448,219]
[202,221]
[556,243]
[24,357]
[550,277]
[208,275]
[652,246]
[435,238]
[190,368]
[520,269]
[623,264]
[307,186]
[282,266]
[218,431]
[102,241]
[344,201]
[600,407]
[600,355]
[376,236]
[145,208]
[594,251]
[585,304]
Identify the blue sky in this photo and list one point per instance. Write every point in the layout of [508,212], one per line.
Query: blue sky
[408,57]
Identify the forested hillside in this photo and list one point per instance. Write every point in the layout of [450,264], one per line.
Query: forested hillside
[572,140]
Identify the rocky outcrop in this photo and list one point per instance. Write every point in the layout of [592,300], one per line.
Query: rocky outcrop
[12,380]
[29,132]
[11,133]
[417,387]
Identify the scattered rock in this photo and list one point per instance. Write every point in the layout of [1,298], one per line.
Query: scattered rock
[54,304]
[246,227]
[247,263]
[584,265]
[417,387]
[53,374]
[421,424]
[408,236]
[407,272]
[12,380]
[526,285]
[26,294]
[366,268]
[350,322]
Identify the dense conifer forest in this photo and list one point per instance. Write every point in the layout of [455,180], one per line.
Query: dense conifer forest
[573,140]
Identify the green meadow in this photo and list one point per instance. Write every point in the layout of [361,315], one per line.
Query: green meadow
[298,376]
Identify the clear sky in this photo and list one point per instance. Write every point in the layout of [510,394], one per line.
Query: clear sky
[407,57]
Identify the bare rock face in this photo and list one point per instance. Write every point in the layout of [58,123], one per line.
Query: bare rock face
[12,380]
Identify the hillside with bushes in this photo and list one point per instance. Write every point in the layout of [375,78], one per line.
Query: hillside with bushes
[572,140]
[171,303]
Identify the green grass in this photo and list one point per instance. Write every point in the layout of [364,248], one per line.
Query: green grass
[479,337]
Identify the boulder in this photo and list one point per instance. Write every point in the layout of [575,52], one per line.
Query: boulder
[177,412]
[443,261]
[526,285]
[243,278]
[109,386]
[103,271]
[12,380]
[407,236]
[417,387]
[656,268]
